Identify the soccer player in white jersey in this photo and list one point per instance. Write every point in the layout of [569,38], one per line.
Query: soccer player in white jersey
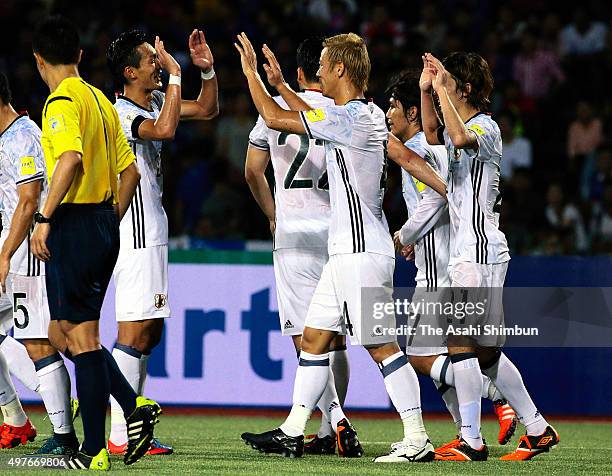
[425,235]
[148,117]
[479,252]
[299,215]
[361,253]
[22,276]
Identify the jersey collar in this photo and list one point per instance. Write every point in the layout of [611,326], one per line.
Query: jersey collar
[121,96]
[11,124]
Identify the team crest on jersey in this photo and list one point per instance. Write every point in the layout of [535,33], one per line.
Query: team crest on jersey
[27,166]
[315,115]
[56,123]
[160,300]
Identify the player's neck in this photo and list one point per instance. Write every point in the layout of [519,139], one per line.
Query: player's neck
[140,96]
[412,129]
[347,92]
[7,116]
[465,111]
[56,74]
[311,87]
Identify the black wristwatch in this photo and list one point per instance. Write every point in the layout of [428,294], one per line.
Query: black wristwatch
[40,218]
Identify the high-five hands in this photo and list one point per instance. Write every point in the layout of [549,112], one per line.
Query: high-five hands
[436,68]
[201,56]
[248,58]
[272,69]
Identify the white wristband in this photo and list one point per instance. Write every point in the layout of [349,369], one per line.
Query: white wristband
[209,75]
[174,79]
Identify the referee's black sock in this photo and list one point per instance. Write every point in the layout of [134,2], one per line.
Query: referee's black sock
[93,390]
[121,390]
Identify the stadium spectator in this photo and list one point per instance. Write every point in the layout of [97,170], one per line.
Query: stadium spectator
[585,133]
[601,223]
[584,36]
[565,218]
[536,69]
[516,149]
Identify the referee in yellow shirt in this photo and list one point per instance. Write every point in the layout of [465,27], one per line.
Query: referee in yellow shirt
[77,234]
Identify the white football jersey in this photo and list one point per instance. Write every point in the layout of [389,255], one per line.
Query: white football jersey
[474,198]
[21,161]
[428,220]
[355,137]
[145,223]
[301,195]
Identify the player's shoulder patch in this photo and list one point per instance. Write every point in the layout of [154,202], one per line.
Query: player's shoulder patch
[315,115]
[477,128]
[28,167]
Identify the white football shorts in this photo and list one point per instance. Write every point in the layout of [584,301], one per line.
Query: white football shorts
[350,286]
[482,284]
[30,307]
[297,272]
[141,284]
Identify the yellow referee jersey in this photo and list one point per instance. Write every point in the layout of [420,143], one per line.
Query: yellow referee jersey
[79,117]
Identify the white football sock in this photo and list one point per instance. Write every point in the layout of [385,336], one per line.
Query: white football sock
[128,361]
[9,402]
[329,405]
[311,379]
[55,392]
[442,370]
[402,386]
[468,383]
[19,362]
[508,379]
[489,390]
[449,395]
[340,371]
[339,364]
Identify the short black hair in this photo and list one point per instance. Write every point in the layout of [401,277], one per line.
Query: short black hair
[123,52]
[5,89]
[474,69]
[404,87]
[57,40]
[308,56]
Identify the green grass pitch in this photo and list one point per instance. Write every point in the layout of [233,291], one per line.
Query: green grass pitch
[212,445]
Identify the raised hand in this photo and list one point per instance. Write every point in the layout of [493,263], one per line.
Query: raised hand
[427,76]
[272,69]
[248,58]
[165,59]
[440,78]
[201,56]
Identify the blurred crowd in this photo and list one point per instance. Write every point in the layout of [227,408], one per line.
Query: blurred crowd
[550,100]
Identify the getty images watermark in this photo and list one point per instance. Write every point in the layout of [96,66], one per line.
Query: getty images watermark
[518,317]
[437,319]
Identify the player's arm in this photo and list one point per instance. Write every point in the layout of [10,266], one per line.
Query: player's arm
[274,116]
[164,127]
[429,117]
[275,78]
[412,163]
[426,215]
[459,134]
[27,204]
[255,175]
[129,176]
[206,106]
[128,181]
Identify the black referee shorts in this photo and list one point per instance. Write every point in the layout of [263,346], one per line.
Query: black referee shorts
[84,245]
